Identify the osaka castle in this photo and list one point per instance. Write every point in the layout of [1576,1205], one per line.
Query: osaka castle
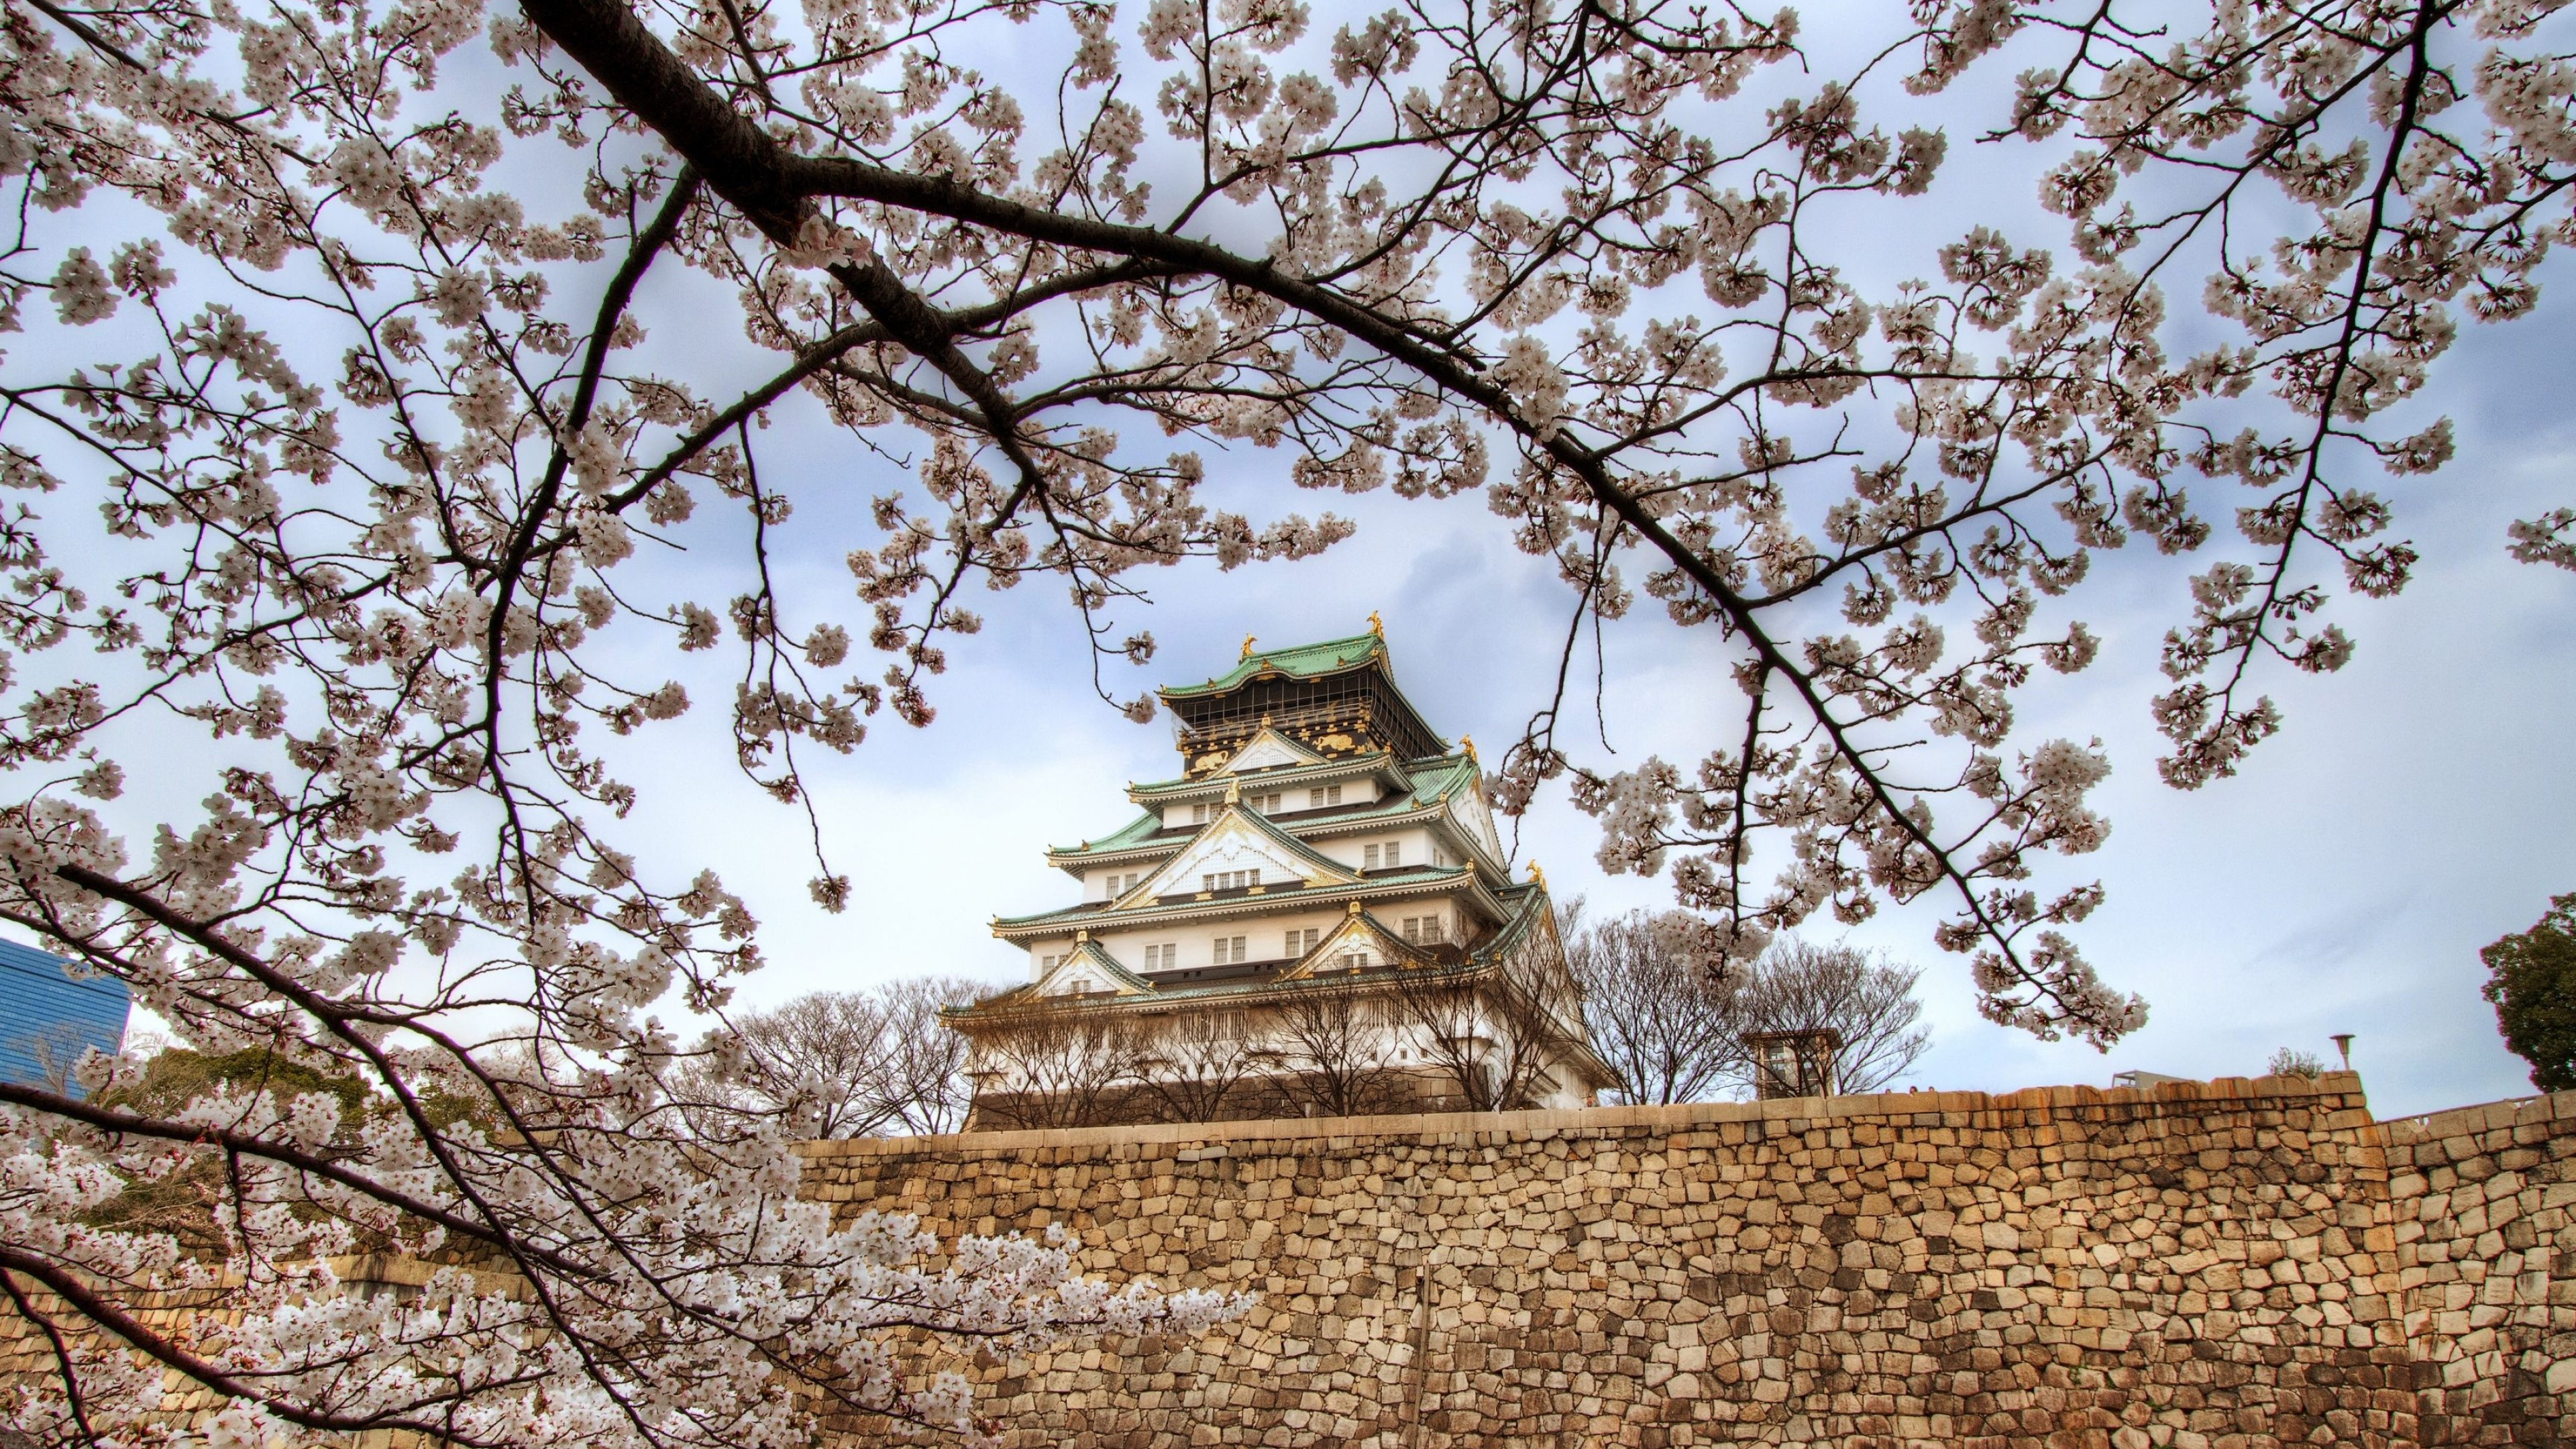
[1313,918]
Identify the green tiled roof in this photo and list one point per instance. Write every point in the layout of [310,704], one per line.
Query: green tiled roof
[1527,904]
[1134,833]
[1346,765]
[1437,781]
[1434,781]
[1303,661]
[1094,913]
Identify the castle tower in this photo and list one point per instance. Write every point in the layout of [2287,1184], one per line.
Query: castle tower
[1313,918]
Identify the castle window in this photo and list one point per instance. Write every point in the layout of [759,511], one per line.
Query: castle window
[1368,858]
[1394,854]
[1301,942]
[1162,956]
[1266,804]
[1317,799]
[1229,950]
[1047,963]
[1229,880]
[1198,814]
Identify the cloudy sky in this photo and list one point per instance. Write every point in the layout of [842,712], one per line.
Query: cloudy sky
[2417,805]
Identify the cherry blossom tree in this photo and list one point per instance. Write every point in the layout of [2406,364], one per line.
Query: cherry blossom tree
[393,389]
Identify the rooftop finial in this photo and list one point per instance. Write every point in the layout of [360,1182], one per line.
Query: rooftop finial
[1247,646]
[1233,790]
[1538,875]
[1377,626]
[1468,743]
[1355,908]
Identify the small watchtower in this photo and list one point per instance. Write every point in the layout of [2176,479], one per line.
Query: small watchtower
[1793,1063]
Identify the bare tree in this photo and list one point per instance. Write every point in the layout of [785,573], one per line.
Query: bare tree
[1334,1054]
[1055,1069]
[1195,1064]
[923,1071]
[1492,1032]
[1661,1014]
[1452,1022]
[819,1058]
[1868,1002]
[55,1051]
[855,1064]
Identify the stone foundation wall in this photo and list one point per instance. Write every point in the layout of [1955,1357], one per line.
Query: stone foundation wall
[2485,1250]
[2220,1264]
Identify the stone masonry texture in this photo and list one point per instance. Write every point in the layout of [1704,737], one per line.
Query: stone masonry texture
[2217,1264]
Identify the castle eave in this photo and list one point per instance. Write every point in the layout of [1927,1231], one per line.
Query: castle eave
[1246,902]
[1377,763]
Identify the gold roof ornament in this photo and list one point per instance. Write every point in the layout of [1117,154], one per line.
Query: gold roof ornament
[1538,875]
[1377,626]
[1355,908]
[1468,743]
[1081,936]
[1233,790]
[1247,646]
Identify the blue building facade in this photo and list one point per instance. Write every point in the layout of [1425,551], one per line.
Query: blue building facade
[42,1003]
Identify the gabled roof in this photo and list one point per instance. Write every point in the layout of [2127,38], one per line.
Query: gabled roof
[1269,750]
[1138,831]
[1104,915]
[1084,961]
[1528,911]
[1374,762]
[1302,661]
[1359,927]
[1236,821]
[1429,784]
